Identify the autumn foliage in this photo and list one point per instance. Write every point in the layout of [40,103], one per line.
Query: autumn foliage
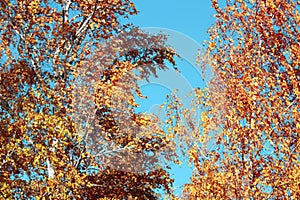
[248,138]
[69,74]
[67,102]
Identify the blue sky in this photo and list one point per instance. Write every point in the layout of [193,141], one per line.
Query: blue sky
[186,23]
[191,17]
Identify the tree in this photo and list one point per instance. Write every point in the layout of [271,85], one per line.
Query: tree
[250,109]
[63,121]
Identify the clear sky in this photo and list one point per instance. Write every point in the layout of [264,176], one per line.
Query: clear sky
[191,17]
[186,23]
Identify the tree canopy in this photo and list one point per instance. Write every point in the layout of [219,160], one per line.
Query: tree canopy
[69,84]
[68,89]
[250,109]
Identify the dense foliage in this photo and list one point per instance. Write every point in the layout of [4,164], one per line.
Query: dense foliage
[69,74]
[250,109]
[67,99]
